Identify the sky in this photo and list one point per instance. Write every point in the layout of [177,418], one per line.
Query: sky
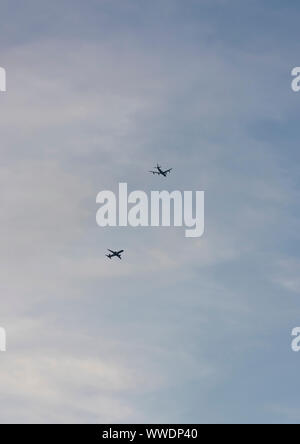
[182,330]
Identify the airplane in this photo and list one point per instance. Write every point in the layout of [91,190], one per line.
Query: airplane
[160,171]
[114,253]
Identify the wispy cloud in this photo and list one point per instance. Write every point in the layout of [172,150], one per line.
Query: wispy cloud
[95,98]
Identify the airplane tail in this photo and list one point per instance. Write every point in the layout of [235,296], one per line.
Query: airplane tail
[108,255]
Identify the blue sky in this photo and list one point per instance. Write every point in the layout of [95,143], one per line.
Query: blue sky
[183,330]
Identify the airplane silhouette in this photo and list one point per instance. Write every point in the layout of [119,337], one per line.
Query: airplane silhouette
[114,254]
[161,172]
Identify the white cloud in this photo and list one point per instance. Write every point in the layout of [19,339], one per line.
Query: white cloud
[81,116]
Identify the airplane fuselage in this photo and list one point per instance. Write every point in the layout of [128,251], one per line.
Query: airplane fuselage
[114,254]
[161,172]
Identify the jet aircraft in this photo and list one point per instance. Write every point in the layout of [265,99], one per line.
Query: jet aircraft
[114,254]
[160,171]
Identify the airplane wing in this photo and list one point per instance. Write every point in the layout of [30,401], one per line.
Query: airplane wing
[168,171]
[111,251]
[154,172]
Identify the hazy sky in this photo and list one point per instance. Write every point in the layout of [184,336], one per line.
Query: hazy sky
[183,330]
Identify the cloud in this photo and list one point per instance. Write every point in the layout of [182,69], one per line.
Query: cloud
[97,341]
[287,274]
